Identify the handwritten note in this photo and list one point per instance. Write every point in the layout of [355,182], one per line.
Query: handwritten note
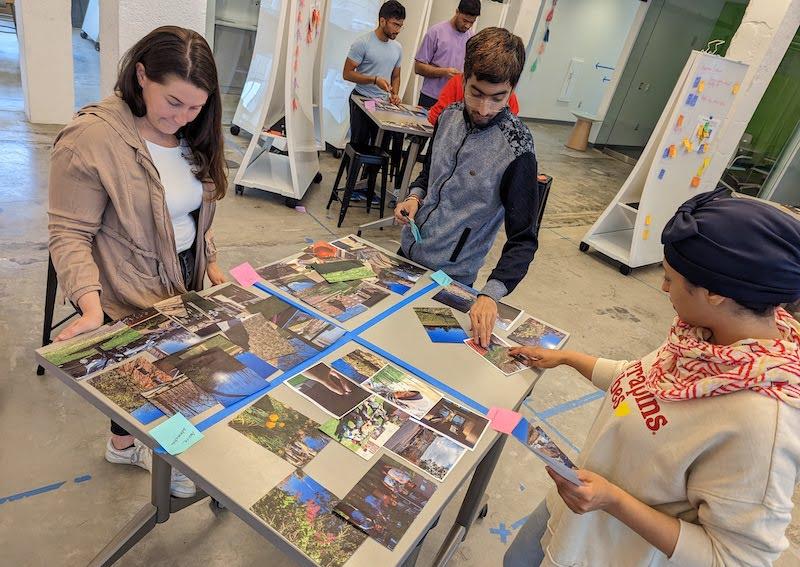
[176,434]
[245,275]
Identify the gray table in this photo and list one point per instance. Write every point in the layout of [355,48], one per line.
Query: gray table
[237,472]
[416,138]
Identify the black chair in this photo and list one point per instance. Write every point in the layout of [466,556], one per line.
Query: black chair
[544,182]
[356,157]
[49,307]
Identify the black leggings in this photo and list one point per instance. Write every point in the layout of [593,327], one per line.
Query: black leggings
[186,260]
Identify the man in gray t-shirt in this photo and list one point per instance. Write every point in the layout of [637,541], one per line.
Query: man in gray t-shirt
[373,64]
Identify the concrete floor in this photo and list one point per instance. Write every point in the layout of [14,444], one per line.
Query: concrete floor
[51,436]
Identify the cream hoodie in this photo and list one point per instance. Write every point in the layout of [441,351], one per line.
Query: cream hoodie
[725,466]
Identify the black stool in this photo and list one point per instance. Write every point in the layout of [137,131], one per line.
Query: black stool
[49,308]
[355,157]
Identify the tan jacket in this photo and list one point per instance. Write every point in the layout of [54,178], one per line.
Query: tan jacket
[110,230]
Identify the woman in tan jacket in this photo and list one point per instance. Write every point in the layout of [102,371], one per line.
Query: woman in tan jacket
[134,181]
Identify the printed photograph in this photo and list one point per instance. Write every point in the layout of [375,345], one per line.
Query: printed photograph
[190,310]
[342,300]
[318,332]
[407,392]
[261,337]
[497,355]
[367,427]
[506,316]
[344,271]
[386,500]
[259,366]
[302,352]
[543,447]
[270,307]
[441,325]
[458,296]
[290,276]
[433,453]
[235,297]
[139,316]
[328,389]
[325,252]
[180,395]
[125,383]
[91,352]
[160,336]
[393,274]
[285,432]
[359,365]
[533,332]
[299,508]
[463,426]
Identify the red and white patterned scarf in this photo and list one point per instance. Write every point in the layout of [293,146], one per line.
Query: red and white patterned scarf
[689,367]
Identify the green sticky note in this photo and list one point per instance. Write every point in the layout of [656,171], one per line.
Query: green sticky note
[176,434]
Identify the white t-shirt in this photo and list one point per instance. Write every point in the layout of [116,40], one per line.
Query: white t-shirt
[182,190]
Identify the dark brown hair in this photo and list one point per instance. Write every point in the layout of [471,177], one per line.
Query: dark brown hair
[469,7]
[392,10]
[172,51]
[495,55]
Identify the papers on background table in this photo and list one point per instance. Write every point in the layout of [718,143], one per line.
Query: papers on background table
[461,297]
[497,355]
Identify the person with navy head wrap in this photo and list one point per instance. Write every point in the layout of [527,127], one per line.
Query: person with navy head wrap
[694,455]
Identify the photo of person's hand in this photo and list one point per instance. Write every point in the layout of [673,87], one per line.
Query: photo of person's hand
[537,357]
[333,382]
[410,206]
[483,316]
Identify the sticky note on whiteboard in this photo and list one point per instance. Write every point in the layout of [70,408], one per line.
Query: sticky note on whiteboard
[673,151]
[735,88]
[701,86]
[648,220]
[696,82]
[646,234]
[661,174]
[680,120]
[695,181]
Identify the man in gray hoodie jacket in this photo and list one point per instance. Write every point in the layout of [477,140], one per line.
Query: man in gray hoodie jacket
[480,172]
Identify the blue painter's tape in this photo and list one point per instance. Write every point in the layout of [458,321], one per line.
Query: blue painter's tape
[396,307]
[34,492]
[521,431]
[84,478]
[552,428]
[501,531]
[427,377]
[234,408]
[572,404]
[519,523]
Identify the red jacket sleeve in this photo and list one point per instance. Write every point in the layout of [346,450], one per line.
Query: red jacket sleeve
[452,92]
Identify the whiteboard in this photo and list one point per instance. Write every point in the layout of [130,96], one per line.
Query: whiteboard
[673,164]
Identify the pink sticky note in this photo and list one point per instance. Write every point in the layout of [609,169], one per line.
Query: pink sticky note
[245,275]
[369,105]
[504,420]
[491,414]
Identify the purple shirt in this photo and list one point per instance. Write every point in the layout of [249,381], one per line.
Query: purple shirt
[443,46]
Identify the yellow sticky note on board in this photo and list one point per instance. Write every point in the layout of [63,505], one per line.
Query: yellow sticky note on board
[701,87]
[646,234]
[735,88]
[648,220]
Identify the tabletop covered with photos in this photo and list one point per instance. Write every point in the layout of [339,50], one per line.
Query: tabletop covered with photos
[228,348]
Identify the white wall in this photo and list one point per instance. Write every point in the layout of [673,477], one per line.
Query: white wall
[45,59]
[594,31]
[124,22]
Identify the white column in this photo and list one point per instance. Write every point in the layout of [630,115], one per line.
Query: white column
[45,59]
[761,41]
[124,22]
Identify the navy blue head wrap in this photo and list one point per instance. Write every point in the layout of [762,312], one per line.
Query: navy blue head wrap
[743,249]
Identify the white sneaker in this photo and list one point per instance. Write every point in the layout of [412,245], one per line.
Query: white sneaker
[138,454]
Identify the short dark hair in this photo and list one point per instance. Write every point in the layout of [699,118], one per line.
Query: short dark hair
[470,7]
[495,55]
[171,51]
[392,10]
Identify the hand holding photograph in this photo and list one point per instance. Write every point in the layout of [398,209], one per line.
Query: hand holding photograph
[497,355]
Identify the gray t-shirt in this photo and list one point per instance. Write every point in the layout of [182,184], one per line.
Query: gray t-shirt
[375,57]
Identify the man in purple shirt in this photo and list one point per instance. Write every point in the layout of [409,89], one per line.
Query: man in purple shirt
[441,54]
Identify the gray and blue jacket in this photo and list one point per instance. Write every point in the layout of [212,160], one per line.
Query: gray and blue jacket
[474,179]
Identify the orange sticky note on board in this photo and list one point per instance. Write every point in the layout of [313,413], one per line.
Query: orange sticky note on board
[672,151]
[695,181]
[680,120]
[735,88]
[645,234]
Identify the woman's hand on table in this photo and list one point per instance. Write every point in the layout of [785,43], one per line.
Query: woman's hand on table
[91,318]
[215,274]
[538,357]
[596,493]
